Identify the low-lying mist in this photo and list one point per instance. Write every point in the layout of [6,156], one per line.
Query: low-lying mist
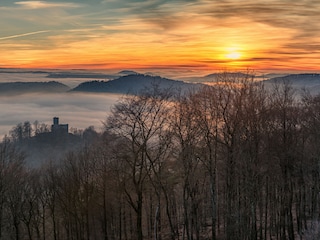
[79,110]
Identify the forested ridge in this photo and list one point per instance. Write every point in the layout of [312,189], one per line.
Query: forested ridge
[229,161]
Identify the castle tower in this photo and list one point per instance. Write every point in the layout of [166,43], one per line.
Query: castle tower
[55,121]
[57,128]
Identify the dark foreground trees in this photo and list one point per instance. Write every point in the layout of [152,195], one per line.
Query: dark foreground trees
[230,161]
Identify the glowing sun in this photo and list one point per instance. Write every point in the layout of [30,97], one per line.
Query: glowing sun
[234,55]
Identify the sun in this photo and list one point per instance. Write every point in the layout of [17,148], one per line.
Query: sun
[234,55]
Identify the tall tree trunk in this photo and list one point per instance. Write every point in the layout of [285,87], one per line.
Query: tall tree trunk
[139,217]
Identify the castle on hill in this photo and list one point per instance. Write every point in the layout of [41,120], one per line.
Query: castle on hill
[59,129]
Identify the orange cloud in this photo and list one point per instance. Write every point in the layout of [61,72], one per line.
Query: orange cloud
[200,34]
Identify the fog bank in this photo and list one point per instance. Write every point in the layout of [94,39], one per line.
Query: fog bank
[79,110]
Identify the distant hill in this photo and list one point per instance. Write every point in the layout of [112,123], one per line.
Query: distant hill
[127,72]
[231,75]
[80,75]
[133,84]
[30,87]
[272,75]
[308,81]
[214,77]
[21,71]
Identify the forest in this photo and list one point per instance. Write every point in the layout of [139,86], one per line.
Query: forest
[232,160]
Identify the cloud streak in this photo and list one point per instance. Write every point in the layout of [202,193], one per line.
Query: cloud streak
[43,4]
[24,34]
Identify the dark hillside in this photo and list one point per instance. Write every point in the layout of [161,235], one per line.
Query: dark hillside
[132,84]
[308,81]
[79,75]
[30,87]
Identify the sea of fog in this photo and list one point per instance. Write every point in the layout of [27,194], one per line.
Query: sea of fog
[79,110]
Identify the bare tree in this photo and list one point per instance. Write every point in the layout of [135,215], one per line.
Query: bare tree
[187,136]
[284,146]
[139,120]
[14,173]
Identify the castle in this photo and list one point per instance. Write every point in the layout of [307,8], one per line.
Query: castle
[59,129]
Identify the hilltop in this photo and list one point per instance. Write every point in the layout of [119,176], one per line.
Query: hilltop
[79,75]
[308,81]
[29,87]
[133,83]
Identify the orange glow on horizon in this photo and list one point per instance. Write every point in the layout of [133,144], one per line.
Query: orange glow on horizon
[233,43]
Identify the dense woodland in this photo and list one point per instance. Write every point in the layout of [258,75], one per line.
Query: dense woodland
[233,160]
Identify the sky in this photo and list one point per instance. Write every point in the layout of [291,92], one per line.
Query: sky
[161,34]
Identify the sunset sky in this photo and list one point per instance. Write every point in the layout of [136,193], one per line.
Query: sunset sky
[173,34]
